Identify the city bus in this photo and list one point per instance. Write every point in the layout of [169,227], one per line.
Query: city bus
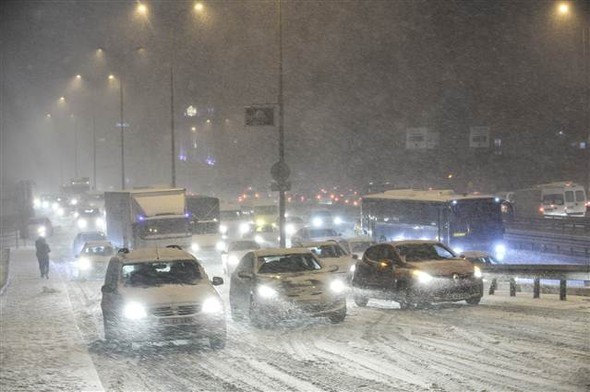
[463,222]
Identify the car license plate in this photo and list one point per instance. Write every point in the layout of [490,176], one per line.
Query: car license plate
[176,320]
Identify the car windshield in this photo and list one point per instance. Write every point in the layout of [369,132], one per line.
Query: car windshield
[100,250]
[161,273]
[423,252]
[327,251]
[244,245]
[317,233]
[277,264]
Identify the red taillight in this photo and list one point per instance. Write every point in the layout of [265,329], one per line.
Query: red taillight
[541,209]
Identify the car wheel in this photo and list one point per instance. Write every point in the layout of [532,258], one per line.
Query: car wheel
[110,330]
[339,316]
[473,300]
[236,314]
[217,342]
[256,318]
[360,300]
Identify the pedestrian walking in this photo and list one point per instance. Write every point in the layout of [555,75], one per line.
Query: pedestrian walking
[43,256]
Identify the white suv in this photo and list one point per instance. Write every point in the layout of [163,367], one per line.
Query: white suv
[161,294]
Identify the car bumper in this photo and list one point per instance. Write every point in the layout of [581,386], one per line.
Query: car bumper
[171,328]
[294,309]
[447,290]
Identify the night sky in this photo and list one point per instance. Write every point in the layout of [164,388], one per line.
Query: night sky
[357,74]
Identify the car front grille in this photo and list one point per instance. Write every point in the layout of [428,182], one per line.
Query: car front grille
[182,310]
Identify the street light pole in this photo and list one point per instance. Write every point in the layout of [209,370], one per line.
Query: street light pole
[282,239]
[172,132]
[122,125]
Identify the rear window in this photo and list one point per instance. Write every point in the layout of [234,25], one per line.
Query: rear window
[580,196]
[569,196]
[556,199]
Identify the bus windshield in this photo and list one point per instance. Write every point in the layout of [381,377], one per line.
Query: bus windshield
[162,227]
[476,218]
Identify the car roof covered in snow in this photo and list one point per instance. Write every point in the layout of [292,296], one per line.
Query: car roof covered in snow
[281,251]
[318,243]
[98,243]
[440,196]
[154,254]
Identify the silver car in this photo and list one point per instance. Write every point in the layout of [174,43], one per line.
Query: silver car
[157,294]
[273,284]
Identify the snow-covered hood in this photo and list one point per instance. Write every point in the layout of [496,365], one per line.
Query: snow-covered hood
[304,285]
[343,262]
[444,267]
[169,294]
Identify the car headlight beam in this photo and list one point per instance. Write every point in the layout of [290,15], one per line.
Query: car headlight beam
[212,305]
[84,263]
[422,277]
[477,272]
[337,286]
[266,292]
[134,311]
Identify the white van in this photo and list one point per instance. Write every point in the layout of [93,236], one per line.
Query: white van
[554,199]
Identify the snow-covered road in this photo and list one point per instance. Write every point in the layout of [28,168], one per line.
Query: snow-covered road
[52,340]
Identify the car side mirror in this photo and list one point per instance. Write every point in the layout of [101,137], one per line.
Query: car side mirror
[107,288]
[245,275]
[217,281]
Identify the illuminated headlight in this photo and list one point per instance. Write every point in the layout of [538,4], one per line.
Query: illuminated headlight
[212,305]
[232,260]
[54,206]
[45,204]
[266,292]
[500,252]
[84,263]
[41,230]
[195,247]
[244,228]
[258,239]
[352,268]
[99,222]
[337,286]
[477,272]
[290,229]
[317,222]
[76,214]
[260,222]
[82,223]
[223,229]
[220,245]
[60,211]
[36,203]
[422,277]
[73,202]
[338,221]
[134,311]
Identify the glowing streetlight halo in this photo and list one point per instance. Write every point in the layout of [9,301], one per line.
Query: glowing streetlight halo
[563,8]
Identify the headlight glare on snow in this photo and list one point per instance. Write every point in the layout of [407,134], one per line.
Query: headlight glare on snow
[84,263]
[477,272]
[195,247]
[220,246]
[422,276]
[82,223]
[244,228]
[337,286]
[266,292]
[212,305]
[134,311]
[233,260]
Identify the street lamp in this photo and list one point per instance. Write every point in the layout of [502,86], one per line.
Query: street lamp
[122,126]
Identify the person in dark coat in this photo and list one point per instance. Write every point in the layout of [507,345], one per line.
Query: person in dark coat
[43,256]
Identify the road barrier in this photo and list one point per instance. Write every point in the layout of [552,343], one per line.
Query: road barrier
[575,245]
[561,272]
[563,225]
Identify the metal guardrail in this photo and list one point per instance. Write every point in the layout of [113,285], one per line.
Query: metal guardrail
[561,272]
[564,225]
[575,245]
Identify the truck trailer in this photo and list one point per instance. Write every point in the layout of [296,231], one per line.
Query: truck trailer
[151,217]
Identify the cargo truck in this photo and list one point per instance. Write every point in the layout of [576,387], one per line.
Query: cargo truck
[151,217]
